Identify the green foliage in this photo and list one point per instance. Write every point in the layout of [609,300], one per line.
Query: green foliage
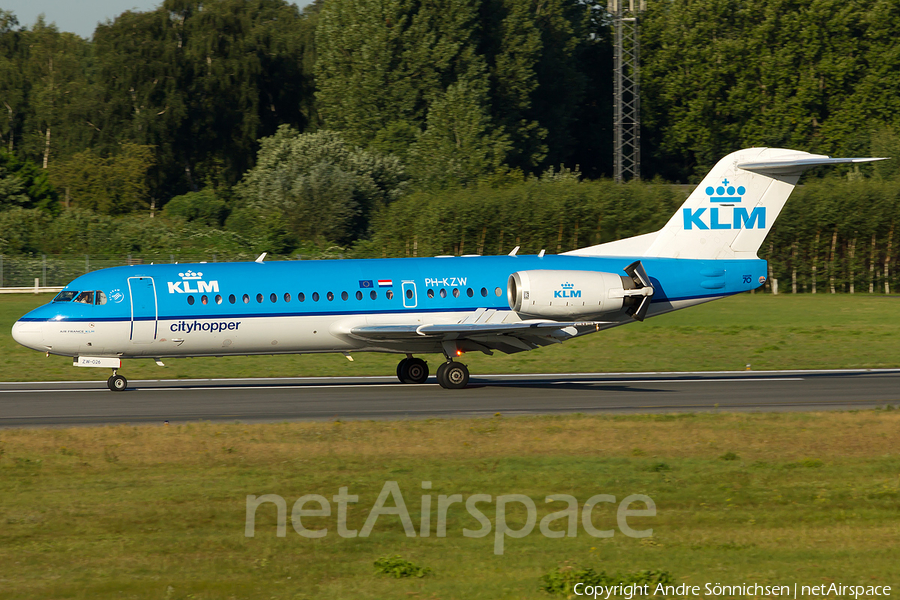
[202,81]
[23,230]
[202,207]
[113,185]
[397,567]
[23,185]
[729,456]
[494,78]
[459,144]
[819,75]
[45,91]
[562,580]
[79,230]
[556,212]
[838,233]
[318,186]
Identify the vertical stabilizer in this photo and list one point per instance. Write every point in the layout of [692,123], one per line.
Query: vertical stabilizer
[730,213]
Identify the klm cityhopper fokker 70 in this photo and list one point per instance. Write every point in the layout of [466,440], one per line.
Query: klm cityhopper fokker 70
[440,305]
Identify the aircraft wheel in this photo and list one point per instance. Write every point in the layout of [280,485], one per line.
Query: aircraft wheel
[414,371]
[440,372]
[455,376]
[117,383]
[400,366]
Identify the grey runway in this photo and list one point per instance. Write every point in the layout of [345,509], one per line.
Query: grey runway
[260,400]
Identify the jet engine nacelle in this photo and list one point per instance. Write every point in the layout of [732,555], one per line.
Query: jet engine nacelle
[568,295]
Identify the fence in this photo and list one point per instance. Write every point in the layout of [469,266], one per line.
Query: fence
[868,273]
[57,271]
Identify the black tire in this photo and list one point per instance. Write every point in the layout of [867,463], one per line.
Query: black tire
[400,366]
[455,376]
[415,371]
[440,373]
[117,383]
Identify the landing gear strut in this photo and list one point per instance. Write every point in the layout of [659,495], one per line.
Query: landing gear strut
[412,370]
[117,383]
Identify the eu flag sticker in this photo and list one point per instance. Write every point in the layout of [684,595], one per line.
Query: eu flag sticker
[365,283]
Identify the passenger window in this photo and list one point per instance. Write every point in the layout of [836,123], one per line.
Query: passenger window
[191,300]
[301,296]
[246,299]
[359,295]
[498,292]
[204,299]
[456,292]
[470,292]
[273,298]
[330,296]
[218,299]
[443,293]
[287,297]
[430,293]
[344,296]
[232,299]
[389,294]
[259,298]
[85,298]
[373,295]
[484,292]
[101,298]
[315,296]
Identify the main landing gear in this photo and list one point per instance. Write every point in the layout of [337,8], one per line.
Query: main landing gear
[451,375]
[117,383]
[412,370]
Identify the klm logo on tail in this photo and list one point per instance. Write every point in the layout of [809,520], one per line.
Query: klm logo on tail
[726,195]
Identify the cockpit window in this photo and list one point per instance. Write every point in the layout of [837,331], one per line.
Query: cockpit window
[85,298]
[65,296]
[101,298]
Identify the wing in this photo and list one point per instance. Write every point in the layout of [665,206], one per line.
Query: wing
[484,337]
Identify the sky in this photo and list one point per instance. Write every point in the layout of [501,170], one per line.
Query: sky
[80,16]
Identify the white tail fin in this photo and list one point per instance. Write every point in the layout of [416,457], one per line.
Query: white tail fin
[730,213]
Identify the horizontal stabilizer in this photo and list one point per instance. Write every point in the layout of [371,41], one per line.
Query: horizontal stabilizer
[796,166]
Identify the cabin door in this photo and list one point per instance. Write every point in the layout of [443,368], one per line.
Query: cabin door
[144,310]
[408,289]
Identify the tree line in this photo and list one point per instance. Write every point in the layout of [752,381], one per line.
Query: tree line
[453,126]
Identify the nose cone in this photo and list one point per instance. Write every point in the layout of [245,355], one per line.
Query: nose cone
[29,334]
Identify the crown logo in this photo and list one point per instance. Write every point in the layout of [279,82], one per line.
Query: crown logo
[190,275]
[568,286]
[725,192]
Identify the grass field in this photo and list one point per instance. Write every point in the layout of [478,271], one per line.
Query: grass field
[159,512]
[767,332]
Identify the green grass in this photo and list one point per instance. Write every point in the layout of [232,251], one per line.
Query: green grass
[767,332]
[158,512]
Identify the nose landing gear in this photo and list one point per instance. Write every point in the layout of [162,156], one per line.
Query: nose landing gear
[117,383]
